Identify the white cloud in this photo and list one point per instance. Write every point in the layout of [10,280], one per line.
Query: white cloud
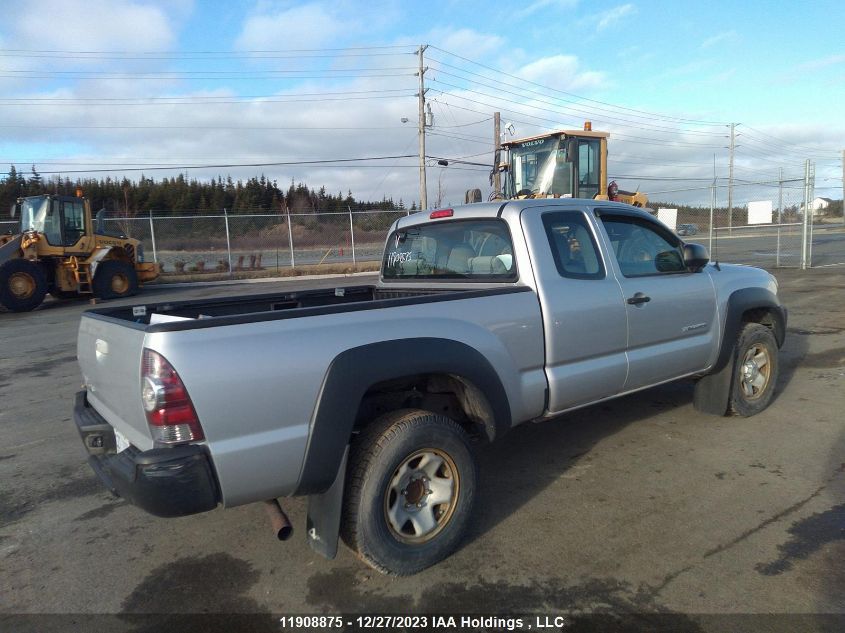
[724,36]
[306,26]
[610,17]
[86,25]
[821,63]
[469,43]
[539,5]
[562,72]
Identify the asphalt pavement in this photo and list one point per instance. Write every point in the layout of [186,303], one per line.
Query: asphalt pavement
[636,506]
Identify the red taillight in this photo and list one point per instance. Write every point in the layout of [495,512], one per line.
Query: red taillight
[170,412]
[442,213]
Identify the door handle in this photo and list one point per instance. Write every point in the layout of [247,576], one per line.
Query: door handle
[638,298]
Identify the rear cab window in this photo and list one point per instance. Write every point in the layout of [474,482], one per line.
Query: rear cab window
[468,250]
[573,247]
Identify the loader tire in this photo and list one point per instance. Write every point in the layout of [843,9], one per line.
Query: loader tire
[23,285]
[115,279]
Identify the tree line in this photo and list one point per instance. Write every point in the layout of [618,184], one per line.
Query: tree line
[128,198]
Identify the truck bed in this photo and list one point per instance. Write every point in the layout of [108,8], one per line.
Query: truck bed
[202,313]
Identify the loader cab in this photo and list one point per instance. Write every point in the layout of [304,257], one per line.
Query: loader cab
[62,220]
[567,164]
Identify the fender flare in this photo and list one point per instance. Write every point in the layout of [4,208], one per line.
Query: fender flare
[355,370]
[98,256]
[712,391]
[11,249]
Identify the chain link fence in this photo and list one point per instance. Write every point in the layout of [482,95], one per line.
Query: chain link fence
[765,225]
[771,224]
[227,242]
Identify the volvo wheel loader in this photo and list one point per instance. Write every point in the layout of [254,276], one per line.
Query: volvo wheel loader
[61,249]
[560,164]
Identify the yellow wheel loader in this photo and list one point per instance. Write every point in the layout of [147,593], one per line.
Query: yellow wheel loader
[561,164]
[61,249]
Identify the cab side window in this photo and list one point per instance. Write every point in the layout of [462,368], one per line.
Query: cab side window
[74,222]
[53,224]
[575,252]
[642,247]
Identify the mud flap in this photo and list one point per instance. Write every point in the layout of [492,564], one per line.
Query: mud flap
[324,514]
[713,391]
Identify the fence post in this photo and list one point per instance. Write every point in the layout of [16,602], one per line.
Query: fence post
[811,188]
[806,213]
[290,241]
[351,234]
[153,237]
[712,205]
[228,242]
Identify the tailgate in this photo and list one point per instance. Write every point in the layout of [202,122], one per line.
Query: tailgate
[109,354]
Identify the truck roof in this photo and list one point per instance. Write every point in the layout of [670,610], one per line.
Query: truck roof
[498,208]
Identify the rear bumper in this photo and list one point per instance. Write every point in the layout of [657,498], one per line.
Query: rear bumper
[166,482]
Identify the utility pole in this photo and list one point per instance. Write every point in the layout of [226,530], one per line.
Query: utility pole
[843,186]
[780,215]
[731,180]
[497,146]
[421,129]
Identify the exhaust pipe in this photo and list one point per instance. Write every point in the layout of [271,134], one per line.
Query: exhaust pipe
[278,519]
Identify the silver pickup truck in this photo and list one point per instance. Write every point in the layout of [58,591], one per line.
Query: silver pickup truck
[370,399]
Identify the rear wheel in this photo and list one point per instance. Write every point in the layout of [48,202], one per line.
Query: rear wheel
[410,491]
[115,279]
[23,285]
[755,370]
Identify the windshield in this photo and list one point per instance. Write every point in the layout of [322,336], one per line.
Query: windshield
[460,249]
[34,214]
[536,167]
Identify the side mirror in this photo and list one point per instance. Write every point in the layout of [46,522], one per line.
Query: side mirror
[14,210]
[695,257]
[100,220]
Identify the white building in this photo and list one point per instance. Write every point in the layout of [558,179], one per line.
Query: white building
[820,204]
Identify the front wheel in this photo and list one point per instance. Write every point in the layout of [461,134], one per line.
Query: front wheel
[115,279]
[410,491]
[755,370]
[23,285]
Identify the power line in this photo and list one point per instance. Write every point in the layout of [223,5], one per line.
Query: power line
[453,95]
[233,165]
[590,113]
[569,94]
[239,101]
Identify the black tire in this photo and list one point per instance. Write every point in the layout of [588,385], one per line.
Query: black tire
[23,285]
[755,372]
[377,458]
[115,279]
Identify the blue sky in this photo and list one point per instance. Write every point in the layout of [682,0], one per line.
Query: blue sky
[664,78]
